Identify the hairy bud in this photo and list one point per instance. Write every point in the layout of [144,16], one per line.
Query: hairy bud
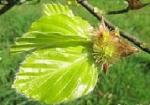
[108,46]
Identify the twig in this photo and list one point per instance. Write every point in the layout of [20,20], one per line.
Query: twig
[11,3]
[6,7]
[125,35]
[132,5]
[117,12]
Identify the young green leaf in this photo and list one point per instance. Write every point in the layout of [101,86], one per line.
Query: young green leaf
[53,9]
[56,75]
[54,31]
[60,68]
[38,40]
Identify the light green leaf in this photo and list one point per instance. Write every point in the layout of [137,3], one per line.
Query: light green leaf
[53,9]
[49,30]
[69,26]
[39,40]
[60,68]
[56,75]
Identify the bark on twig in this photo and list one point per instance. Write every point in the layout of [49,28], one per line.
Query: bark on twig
[11,3]
[118,12]
[8,6]
[125,35]
[132,5]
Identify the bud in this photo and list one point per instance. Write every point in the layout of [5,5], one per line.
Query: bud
[108,46]
[134,4]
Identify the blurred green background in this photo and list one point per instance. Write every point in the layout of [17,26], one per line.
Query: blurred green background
[128,81]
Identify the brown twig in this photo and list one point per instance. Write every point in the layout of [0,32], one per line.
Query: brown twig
[118,11]
[132,5]
[8,6]
[11,3]
[125,35]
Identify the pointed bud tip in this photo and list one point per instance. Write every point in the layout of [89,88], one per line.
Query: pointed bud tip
[135,50]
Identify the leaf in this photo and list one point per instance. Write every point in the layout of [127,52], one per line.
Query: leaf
[56,75]
[60,67]
[51,31]
[69,26]
[38,40]
[53,9]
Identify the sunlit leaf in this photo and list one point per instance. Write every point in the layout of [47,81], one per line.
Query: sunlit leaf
[56,75]
[53,9]
[49,30]
[60,67]
[38,40]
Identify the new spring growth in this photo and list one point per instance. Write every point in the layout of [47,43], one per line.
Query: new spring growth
[108,46]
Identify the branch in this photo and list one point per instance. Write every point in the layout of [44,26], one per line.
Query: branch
[132,5]
[125,35]
[118,12]
[7,6]
[11,3]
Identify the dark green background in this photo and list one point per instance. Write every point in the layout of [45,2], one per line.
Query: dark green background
[128,81]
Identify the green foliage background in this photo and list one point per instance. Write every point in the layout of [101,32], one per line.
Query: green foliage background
[127,83]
